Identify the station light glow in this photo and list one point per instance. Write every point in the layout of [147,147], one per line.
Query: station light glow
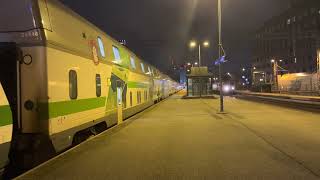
[206,44]
[193,44]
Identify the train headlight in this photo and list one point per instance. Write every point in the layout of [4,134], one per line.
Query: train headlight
[226,88]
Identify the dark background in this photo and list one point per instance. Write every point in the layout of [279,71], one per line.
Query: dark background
[159,31]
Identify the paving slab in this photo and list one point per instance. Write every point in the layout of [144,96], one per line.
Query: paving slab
[188,139]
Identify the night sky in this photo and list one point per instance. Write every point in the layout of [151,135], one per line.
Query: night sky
[159,31]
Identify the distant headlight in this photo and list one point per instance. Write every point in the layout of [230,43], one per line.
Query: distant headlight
[226,88]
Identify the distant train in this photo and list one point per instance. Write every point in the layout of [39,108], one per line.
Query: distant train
[64,80]
[299,83]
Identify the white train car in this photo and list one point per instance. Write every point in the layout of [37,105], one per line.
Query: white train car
[64,80]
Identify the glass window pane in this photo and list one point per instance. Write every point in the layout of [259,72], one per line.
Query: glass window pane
[149,71]
[142,67]
[98,85]
[101,47]
[133,64]
[73,84]
[116,53]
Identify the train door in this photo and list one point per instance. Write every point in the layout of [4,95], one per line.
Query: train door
[119,101]
[10,55]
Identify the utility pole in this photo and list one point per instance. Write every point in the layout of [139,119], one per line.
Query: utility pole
[275,75]
[199,55]
[220,54]
[318,70]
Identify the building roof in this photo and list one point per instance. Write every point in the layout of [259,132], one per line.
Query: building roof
[199,72]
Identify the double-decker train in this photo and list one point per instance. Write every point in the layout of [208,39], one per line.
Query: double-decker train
[63,80]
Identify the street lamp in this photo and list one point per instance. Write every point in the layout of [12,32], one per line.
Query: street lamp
[193,44]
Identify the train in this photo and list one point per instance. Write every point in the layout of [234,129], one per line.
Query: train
[64,80]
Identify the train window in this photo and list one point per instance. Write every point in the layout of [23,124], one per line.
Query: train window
[101,47]
[98,85]
[116,53]
[142,68]
[133,64]
[149,71]
[73,84]
[130,98]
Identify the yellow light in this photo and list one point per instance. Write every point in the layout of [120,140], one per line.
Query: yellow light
[206,44]
[301,74]
[193,44]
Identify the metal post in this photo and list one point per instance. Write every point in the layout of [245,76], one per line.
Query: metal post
[318,70]
[199,55]
[275,75]
[220,53]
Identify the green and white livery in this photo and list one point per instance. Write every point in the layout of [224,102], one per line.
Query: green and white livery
[5,128]
[66,80]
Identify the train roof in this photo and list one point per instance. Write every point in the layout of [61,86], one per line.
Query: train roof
[56,7]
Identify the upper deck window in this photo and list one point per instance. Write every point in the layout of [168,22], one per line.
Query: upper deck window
[149,71]
[116,53]
[142,68]
[101,47]
[133,64]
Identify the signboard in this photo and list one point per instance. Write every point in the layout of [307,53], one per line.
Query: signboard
[219,61]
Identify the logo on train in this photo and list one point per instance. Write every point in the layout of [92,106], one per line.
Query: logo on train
[94,49]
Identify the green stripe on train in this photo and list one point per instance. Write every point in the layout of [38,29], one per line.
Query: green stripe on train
[137,85]
[63,108]
[5,115]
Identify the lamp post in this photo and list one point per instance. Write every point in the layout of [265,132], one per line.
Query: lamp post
[274,65]
[193,44]
[220,53]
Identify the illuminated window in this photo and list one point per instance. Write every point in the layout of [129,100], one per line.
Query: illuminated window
[142,68]
[101,47]
[73,84]
[149,70]
[116,53]
[133,64]
[98,85]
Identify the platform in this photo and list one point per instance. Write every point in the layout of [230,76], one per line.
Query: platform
[187,139]
[282,96]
